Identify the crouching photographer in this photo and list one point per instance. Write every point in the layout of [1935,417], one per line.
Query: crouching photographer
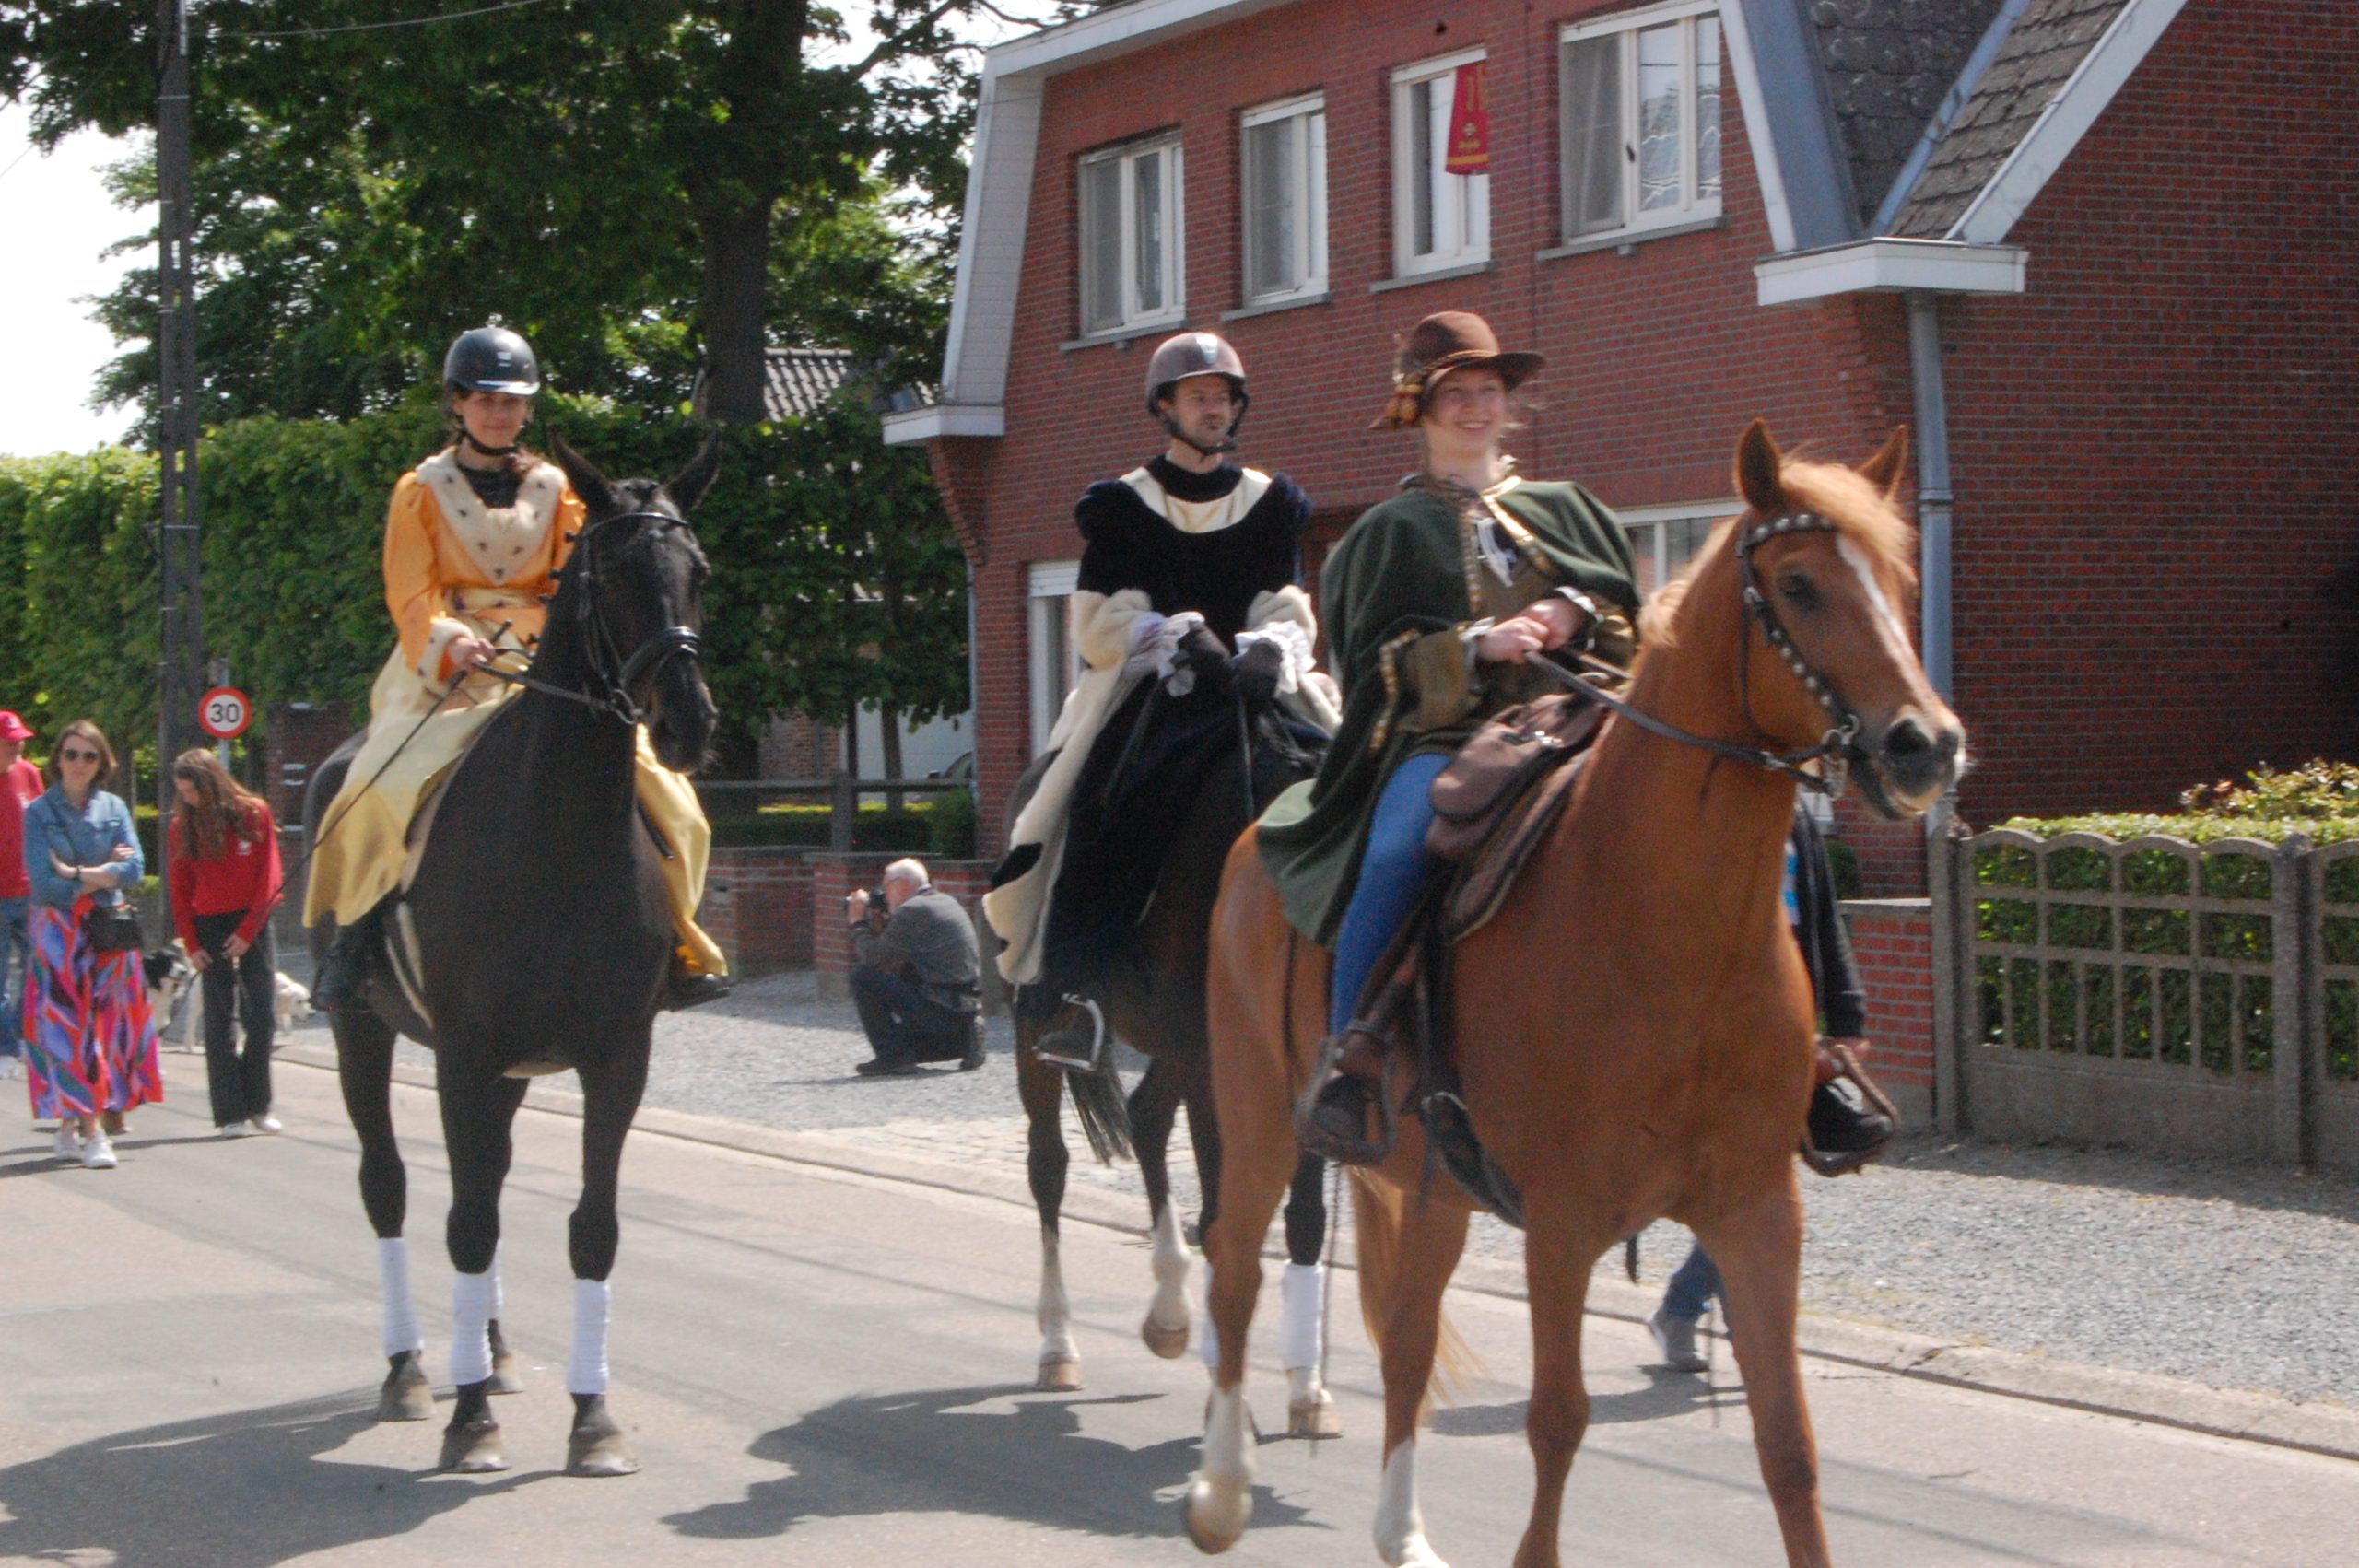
[917,974]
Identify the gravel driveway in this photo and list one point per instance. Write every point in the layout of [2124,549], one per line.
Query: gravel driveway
[2238,1277]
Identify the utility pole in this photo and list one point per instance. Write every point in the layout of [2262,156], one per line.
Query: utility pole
[182,643]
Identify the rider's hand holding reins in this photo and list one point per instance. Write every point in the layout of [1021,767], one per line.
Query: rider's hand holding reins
[1537,628]
[470,652]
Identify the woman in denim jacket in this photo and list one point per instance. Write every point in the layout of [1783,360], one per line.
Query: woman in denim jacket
[90,1042]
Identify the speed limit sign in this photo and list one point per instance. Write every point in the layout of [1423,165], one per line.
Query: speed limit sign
[224,712]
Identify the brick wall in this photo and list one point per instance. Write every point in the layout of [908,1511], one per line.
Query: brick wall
[1657,358]
[1893,941]
[833,878]
[758,907]
[299,738]
[794,746]
[2157,535]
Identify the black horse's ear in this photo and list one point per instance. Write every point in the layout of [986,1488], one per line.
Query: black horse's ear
[588,482]
[1758,478]
[687,487]
[1884,470]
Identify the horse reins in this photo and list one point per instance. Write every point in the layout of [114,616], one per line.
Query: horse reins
[616,672]
[1835,750]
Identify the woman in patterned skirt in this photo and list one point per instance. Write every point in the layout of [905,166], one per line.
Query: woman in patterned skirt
[90,1042]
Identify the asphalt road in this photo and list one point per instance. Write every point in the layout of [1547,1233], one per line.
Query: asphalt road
[815,1368]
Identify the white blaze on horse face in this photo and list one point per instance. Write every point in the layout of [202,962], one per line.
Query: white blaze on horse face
[1890,620]
[1400,1526]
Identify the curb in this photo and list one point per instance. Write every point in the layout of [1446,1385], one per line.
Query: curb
[2242,1415]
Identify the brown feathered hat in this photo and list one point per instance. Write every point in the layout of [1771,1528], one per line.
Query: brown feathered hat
[1446,341]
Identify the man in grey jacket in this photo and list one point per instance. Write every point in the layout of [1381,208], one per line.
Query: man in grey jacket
[917,975]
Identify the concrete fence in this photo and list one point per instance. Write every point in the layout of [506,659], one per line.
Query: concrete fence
[2152,992]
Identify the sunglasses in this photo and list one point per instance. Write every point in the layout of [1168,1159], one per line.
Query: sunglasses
[77,755]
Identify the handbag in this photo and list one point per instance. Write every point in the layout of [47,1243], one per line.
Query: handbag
[113,927]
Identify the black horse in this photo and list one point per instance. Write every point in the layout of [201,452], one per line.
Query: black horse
[537,936]
[1154,1000]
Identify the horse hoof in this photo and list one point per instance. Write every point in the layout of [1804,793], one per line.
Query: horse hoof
[406,1394]
[1314,1417]
[598,1449]
[1059,1375]
[1168,1343]
[472,1447]
[1215,1515]
[1414,1552]
[505,1377]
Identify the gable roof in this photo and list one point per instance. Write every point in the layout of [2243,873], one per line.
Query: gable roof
[795,382]
[1887,64]
[2058,66]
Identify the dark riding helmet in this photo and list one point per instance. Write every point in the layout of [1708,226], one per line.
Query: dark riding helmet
[1196,354]
[491,359]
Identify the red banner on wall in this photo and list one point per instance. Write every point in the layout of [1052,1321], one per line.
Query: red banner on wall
[1470,122]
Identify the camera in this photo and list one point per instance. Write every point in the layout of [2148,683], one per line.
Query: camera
[876,900]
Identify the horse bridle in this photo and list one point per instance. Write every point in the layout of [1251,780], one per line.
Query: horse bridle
[1835,750]
[618,673]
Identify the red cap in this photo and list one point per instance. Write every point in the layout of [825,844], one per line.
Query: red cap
[13,727]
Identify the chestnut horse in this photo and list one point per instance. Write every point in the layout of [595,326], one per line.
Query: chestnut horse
[1635,1026]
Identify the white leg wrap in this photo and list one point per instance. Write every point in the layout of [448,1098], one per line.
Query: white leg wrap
[1302,1330]
[401,1314]
[586,1373]
[1170,1308]
[1053,1314]
[498,1296]
[470,1328]
[1400,1525]
[1209,1341]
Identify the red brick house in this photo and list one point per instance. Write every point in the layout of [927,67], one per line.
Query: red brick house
[2097,252]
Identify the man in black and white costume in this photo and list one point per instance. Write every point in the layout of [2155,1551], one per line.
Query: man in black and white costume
[1190,596]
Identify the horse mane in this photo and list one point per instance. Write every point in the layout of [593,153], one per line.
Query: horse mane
[1861,512]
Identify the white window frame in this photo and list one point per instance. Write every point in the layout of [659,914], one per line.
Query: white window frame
[1692,207]
[1049,589]
[1128,316]
[1309,155]
[1469,220]
[1651,527]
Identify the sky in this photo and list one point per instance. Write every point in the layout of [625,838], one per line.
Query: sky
[57,217]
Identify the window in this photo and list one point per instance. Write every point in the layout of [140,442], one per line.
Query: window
[1664,539]
[1285,200]
[1131,266]
[1055,666]
[1441,220]
[1642,120]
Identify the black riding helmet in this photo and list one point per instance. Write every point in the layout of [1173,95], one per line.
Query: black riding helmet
[491,359]
[1196,354]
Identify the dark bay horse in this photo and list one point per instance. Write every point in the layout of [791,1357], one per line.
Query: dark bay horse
[1634,1028]
[542,938]
[1155,1003]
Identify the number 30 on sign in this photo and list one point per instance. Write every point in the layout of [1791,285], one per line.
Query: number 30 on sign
[224,712]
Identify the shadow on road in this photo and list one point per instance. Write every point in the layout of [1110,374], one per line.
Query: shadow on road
[188,1492]
[930,1451]
[1667,1394]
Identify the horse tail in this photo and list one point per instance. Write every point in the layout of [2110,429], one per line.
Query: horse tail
[1105,1120]
[1376,1231]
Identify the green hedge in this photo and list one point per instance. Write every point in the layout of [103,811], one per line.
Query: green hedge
[803,513]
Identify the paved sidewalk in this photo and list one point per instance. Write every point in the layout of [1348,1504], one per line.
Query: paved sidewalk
[2234,1278]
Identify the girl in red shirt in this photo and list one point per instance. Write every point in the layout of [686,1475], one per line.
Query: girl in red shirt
[225,880]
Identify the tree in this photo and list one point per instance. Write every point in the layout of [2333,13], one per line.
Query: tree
[621,180]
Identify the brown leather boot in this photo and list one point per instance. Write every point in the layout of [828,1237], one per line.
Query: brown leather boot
[1332,1119]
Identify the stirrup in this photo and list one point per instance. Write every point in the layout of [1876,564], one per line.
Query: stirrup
[1092,1062]
[1844,1161]
[1317,1138]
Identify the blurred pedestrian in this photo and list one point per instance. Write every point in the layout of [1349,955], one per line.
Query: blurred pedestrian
[222,862]
[20,785]
[92,1041]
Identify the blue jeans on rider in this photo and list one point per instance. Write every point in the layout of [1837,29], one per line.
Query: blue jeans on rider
[1693,1288]
[1392,873]
[15,961]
